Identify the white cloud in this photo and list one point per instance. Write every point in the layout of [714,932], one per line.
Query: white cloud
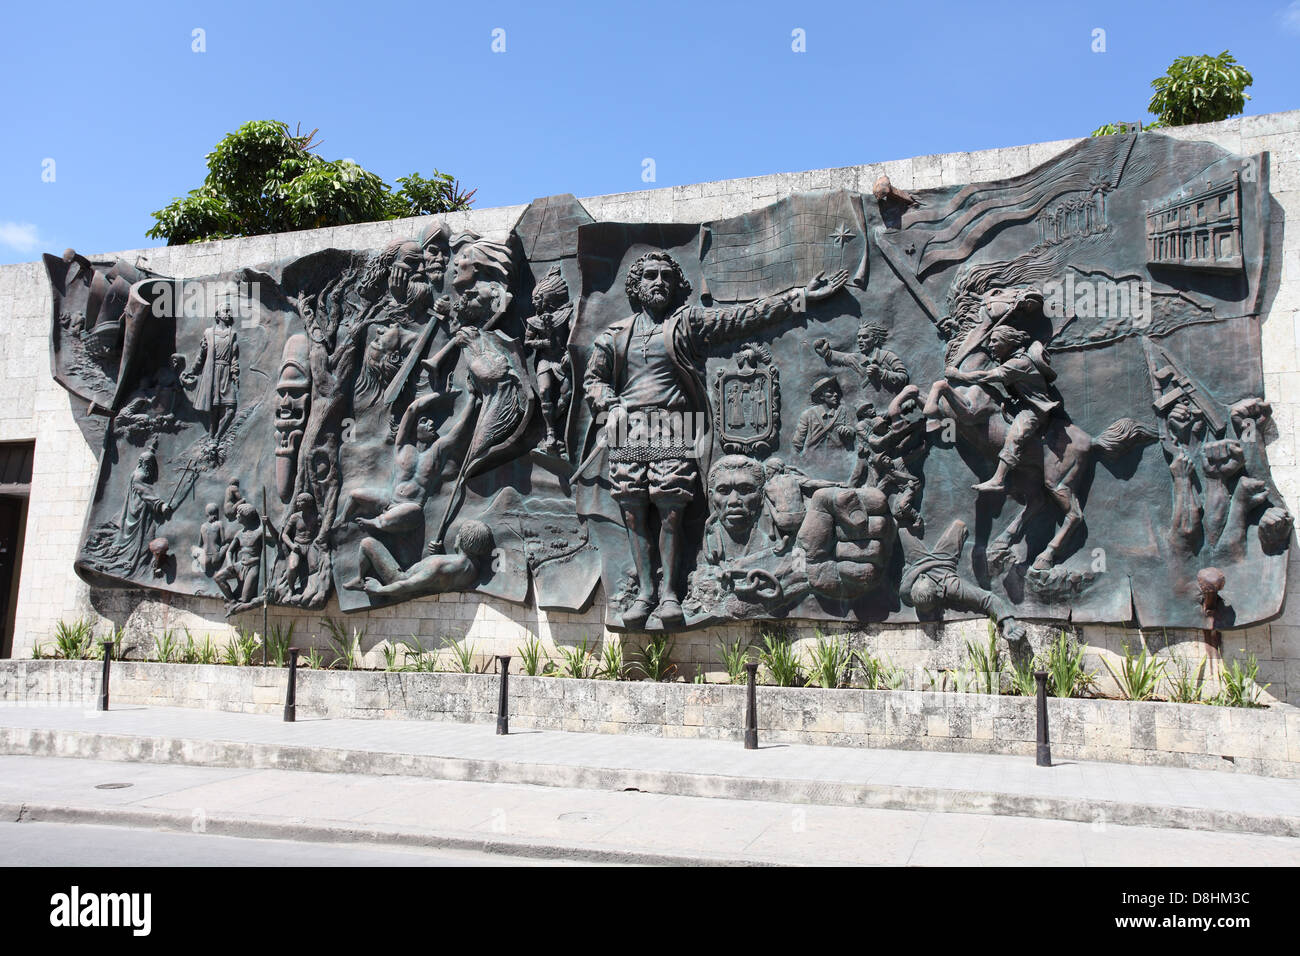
[20,236]
[1291,17]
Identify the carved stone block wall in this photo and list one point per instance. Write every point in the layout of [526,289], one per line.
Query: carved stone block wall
[1224,739]
[33,406]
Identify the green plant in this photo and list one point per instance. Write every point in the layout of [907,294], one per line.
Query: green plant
[264,178]
[656,661]
[1185,685]
[936,680]
[575,662]
[165,647]
[734,656]
[1195,89]
[611,661]
[870,667]
[75,641]
[779,659]
[418,658]
[38,651]
[1111,129]
[1200,89]
[893,676]
[420,196]
[968,681]
[462,654]
[985,662]
[115,636]
[392,656]
[829,660]
[345,644]
[247,642]
[699,676]
[1239,686]
[1066,676]
[278,640]
[230,653]
[1138,675]
[531,659]
[1022,670]
[315,660]
[206,653]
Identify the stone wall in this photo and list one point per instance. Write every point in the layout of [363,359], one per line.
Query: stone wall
[1184,735]
[33,406]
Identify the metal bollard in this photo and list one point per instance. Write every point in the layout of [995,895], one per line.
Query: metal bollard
[503,697]
[751,705]
[103,682]
[1044,758]
[291,693]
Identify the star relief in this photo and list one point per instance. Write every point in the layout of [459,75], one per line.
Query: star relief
[841,236]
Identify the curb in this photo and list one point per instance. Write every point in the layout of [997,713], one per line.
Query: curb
[302,831]
[38,742]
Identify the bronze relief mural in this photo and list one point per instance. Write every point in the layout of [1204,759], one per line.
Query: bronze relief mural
[1033,399]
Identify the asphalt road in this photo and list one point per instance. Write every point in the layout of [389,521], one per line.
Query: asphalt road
[73,844]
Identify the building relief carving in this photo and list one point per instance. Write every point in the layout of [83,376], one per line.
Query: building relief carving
[1030,399]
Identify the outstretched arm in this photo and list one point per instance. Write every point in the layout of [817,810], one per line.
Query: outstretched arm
[720,325]
[993,376]
[834,357]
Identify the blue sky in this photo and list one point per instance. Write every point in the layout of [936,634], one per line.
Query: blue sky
[581,95]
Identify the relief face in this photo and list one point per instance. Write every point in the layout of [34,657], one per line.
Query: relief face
[1037,398]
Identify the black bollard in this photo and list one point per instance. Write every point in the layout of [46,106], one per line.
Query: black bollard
[1044,739]
[291,693]
[103,683]
[751,705]
[503,696]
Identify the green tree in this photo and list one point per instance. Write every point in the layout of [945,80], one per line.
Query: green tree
[1200,89]
[428,197]
[1195,89]
[263,178]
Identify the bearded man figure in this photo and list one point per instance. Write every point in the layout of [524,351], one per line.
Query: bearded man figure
[645,372]
[408,276]
[407,281]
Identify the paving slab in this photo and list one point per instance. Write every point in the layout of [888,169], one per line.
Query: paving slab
[523,823]
[1121,794]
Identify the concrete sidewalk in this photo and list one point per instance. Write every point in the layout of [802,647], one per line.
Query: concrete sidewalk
[1118,794]
[197,809]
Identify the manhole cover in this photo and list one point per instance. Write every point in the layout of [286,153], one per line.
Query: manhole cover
[113,786]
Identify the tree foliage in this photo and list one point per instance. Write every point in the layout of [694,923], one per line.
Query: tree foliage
[1111,129]
[1195,89]
[1200,89]
[263,178]
[427,197]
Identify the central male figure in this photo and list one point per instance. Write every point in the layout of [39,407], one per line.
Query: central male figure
[646,370]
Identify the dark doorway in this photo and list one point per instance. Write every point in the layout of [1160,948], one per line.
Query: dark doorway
[15,487]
